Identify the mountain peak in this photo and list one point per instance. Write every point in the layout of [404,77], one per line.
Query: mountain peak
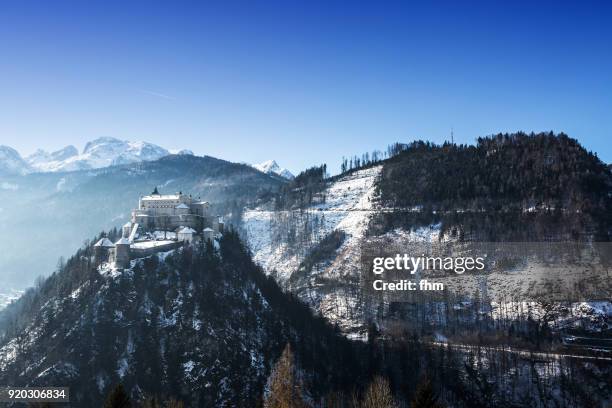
[272,167]
[11,161]
[101,141]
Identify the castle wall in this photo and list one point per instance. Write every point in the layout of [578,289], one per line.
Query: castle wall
[171,222]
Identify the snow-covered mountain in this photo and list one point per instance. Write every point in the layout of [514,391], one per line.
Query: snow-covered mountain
[42,160]
[101,152]
[11,162]
[271,167]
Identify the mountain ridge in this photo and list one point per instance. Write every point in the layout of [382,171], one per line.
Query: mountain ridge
[97,153]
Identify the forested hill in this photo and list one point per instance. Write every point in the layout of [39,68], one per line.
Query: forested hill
[202,325]
[501,174]
[502,171]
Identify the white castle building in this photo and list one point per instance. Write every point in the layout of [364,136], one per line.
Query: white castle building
[169,211]
[180,218]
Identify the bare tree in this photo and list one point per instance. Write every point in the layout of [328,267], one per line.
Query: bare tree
[378,395]
[285,388]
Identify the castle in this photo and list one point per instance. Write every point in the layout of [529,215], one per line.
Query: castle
[178,217]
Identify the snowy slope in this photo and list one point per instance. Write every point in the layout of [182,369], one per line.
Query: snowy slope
[347,208]
[271,167]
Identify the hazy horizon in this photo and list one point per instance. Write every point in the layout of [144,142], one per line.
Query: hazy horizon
[333,169]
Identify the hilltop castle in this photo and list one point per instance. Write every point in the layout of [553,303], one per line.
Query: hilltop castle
[179,218]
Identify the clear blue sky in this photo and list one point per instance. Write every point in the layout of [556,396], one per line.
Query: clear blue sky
[302,82]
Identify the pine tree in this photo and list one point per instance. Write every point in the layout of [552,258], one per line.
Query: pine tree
[379,395]
[425,396]
[285,389]
[118,398]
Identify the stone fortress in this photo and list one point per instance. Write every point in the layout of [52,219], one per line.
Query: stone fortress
[161,222]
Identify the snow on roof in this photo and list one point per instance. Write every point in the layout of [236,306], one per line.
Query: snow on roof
[182,206]
[104,242]
[151,244]
[164,234]
[123,241]
[127,224]
[160,197]
[187,230]
[202,202]
[208,229]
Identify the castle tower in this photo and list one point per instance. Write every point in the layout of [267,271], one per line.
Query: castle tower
[102,249]
[122,253]
[127,228]
[186,234]
[208,234]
